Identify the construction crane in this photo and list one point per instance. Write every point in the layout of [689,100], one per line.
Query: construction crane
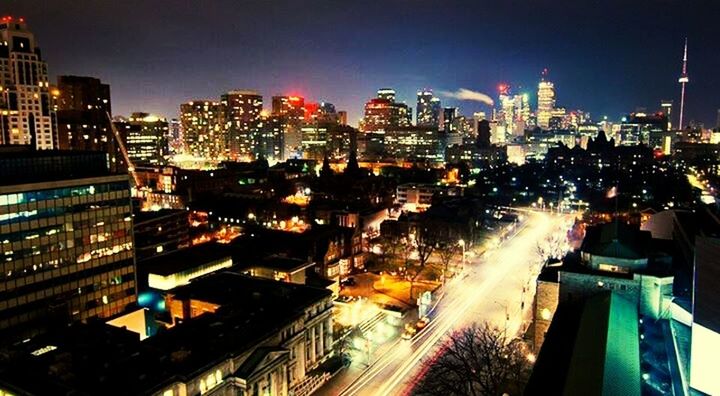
[119,140]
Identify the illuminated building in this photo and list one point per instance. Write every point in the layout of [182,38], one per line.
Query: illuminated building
[67,239]
[243,123]
[546,102]
[145,138]
[234,335]
[386,93]
[666,106]
[272,138]
[326,114]
[382,113]
[291,111]
[174,136]
[649,129]
[160,232]
[26,109]
[342,117]
[428,109]
[291,106]
[449,115]
[204,132]
[83,108]
[414,143]
[314,141]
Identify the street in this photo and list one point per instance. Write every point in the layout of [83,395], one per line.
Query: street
[495,288]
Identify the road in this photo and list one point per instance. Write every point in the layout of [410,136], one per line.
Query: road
[494,288]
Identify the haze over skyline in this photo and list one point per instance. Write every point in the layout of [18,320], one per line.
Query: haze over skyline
[607,58]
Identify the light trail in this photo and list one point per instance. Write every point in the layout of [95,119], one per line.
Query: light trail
[468,298]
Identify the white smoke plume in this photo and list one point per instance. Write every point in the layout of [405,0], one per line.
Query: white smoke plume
[466,94]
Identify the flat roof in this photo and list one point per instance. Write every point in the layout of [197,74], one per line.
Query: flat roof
[184,259]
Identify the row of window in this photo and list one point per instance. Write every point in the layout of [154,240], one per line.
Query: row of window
[56,193]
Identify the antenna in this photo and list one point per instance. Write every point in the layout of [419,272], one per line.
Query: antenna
[683,80]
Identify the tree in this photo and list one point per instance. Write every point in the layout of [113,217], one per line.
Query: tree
[390,245]
[425,242]
[446,250]
[478,360]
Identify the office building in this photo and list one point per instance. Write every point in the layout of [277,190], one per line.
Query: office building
[428,109]
[27,115]
[204,131]
[382,113]
[145,138]
[174,138]
[83,114]
[67,241]
[386,93]
[546,102]
[243,123]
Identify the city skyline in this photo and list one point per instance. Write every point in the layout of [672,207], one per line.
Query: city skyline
[156,66]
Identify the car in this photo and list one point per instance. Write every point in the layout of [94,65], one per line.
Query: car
[348,282]
[409,332]
[422,323]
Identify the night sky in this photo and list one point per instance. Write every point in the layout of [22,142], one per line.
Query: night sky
[607,57]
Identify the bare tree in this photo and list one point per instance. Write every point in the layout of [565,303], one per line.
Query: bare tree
[425,242]
[390,245]
[446,250]
[478,360]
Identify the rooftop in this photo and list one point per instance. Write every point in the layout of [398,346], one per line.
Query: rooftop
[185,259]
[591,347]
[36,166]
[89,359]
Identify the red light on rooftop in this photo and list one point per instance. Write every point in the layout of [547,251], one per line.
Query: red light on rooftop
[503,88]
[22,20]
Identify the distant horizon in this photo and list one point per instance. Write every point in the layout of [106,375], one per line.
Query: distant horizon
[606,59]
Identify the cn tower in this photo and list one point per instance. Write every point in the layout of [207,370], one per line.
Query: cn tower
[683,80]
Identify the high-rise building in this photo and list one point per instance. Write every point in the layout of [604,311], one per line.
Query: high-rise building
[386,93]
[326,114]
[175,136]
[449,115]
[546,102]
[428,109]
[483,133]
[243,122]
[343,120]
[274,133]
[145,138]
[67,242]
[204,132]
[666,106]
[717,123]
[26,110]
[83,114]
[382,113]
[289,114]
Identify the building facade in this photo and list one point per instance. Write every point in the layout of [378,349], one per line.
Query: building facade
[243,123]
[428,109]
[203,126]
[145,138]
[67,241]
[546,103]
[27,116]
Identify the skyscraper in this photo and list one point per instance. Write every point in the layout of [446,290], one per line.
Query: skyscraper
[666,106]
[67,240]
[386,93]
[449,114]
[26,111]
[288,113]
[428,109]
[145,138]
[381,113]
[204,132]
[546,101]
[83,106]
[243,122]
